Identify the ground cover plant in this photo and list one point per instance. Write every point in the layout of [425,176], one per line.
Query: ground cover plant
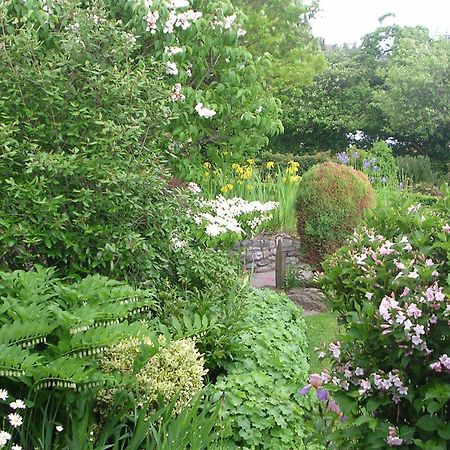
[390,371]
[260,406]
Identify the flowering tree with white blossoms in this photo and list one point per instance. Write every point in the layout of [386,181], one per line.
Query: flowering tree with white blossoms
[391,371]
[219,98]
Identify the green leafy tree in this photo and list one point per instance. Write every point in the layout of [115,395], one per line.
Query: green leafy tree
[281,28]
[415,97]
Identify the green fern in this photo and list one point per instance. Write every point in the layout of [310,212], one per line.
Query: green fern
[51,333]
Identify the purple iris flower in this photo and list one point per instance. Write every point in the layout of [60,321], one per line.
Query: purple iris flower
[400,187]
[366,164]
[305,390]
[322,395]
[343,158]
[384,180]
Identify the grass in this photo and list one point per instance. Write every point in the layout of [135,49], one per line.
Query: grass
[322,329]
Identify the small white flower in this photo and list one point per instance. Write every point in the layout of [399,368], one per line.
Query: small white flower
[171,68]
[194,187]
[16,447]
[4,438]
[171,51]
[413,274]
[204,112]
[15,419]
[176,4]
[18,404]
[59,428]
[3,394]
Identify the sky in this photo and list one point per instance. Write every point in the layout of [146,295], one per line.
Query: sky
[346,21]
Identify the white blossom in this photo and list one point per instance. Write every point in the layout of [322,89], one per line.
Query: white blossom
[171,51]
[4,438]
[15,419]
[171,68]
[3,394]
[176,95]
[18,404]
[152,18]
[202,111]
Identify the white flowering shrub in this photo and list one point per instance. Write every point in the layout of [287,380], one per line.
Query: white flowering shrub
[226,220]
[219,101]
[391,370]
[176,370]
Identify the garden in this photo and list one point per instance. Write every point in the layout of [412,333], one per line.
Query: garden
[145,145]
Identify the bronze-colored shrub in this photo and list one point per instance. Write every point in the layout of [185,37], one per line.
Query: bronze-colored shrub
[331,202]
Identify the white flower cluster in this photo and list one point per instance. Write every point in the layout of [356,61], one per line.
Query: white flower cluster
[225,24]
[15,420]
[171,68]
[176,95]
[202,111]
[177,243]
[181,20]
[224,214]
[171,51]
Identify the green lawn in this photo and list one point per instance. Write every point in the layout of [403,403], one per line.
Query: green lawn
[321,328]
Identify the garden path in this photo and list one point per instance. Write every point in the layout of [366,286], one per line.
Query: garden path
[310,299]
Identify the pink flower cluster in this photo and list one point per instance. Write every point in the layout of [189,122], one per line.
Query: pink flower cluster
[442,364]
[393,440]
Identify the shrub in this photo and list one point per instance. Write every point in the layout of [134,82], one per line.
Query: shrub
[416,169]
[305,161]
[175,371]
[260,406]
[50,330]
[83,186]
[331,202]
[391,371]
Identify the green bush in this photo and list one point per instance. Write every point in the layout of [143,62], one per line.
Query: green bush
[175,371]
[83,188]
[416,169]
[260,406]
[332,199]
[391,370]
[305,161]
[50,330]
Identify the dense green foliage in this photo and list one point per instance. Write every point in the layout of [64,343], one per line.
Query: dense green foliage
[394,85]
[50,330]
[416,169]
[305,162]
[391,369]
[281,29]
[332,199]
[83,188]
[260,406]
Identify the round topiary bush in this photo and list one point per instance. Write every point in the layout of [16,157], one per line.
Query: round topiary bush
[331,202]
